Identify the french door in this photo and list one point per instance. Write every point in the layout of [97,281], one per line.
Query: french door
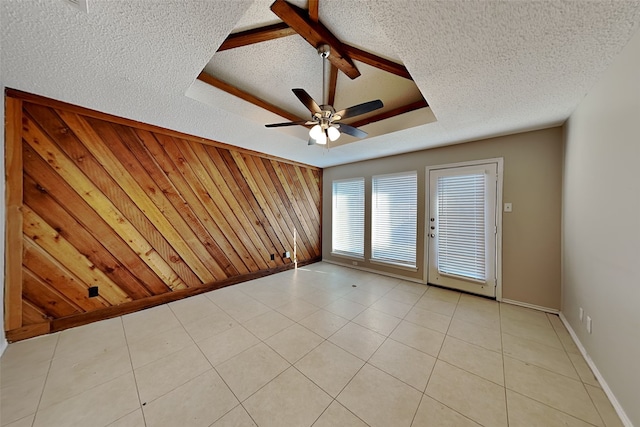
[462,228]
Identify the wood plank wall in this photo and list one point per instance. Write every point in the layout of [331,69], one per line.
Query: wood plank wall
[145,214]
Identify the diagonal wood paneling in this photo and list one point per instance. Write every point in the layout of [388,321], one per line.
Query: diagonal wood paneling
[145,214]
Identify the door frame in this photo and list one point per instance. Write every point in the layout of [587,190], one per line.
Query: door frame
[499,184]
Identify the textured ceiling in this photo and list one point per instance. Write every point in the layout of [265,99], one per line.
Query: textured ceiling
[485,67]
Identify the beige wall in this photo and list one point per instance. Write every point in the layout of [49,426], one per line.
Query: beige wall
[601,226]
[531,233]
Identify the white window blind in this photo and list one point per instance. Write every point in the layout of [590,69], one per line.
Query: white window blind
[461,226]
[348,217]
[394,218]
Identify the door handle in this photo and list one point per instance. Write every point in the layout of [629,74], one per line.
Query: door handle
[432,235]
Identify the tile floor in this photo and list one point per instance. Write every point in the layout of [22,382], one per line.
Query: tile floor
[322,346]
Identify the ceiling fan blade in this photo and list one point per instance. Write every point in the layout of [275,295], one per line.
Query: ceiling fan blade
[308,102]
[279,125]
[356,110]
[353,131]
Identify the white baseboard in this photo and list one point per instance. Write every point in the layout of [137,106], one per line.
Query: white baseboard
[605,387]
[3,346]
[532,306]
[370,270]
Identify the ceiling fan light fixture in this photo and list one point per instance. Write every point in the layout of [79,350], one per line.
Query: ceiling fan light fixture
[315,132]
[333,133]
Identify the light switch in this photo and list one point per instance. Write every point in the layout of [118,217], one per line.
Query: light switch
[508,207]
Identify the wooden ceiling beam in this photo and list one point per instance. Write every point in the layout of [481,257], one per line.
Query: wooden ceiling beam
[209,79]
[256,35]
[377,62]
[391,113]
[316,34]
[313,10]
[333,82]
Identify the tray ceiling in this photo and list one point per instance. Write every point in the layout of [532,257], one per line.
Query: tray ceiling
[486,68]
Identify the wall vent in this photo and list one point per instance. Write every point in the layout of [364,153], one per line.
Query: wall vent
[79,4]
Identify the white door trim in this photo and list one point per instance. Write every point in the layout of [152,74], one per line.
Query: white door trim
[500,162]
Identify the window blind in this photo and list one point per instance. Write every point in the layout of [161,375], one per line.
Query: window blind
[394,218]
[461,226]
[348,217]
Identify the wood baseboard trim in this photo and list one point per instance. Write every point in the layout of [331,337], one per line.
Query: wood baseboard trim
[28,331]
[605,387]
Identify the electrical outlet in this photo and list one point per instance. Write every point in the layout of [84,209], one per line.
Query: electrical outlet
[508,207]
[581,313]
[286,255]
[589,324]
[273,257]
[93,291]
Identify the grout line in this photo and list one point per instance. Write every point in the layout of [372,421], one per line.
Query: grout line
[133,372]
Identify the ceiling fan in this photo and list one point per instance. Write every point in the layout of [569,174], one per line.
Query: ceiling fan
[324,118]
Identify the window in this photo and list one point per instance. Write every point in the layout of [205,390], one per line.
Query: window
[394,218]
[461,225]
[348,217]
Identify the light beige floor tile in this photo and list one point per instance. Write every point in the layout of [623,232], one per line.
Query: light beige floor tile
[479,303]
[158,345]
[362,297]
[143,324]
[188,310]
[541,355]
[423,339]
[475,334]
[526,412]
[558,391]
[330,367]
[228,296]
[338,415]
[200,402]
[478,316]
[88,408]
[357,340]
[268,324]
[251,370]
[22,422]
[321,298]
[477,360]
[224,346]
[163,375]
[443,294]
[563,335]
[134,419]
[474,397]
[432,413]
[20,399]
[394,308]
[289,400]
[209,326]
[604,406]
[584,371]
[345,308]
[14,372]
[297,309]
[523,314]
[270,298]
[542,334]
[237,417]
[429,319]
[436,305]
[294,342]
[68,378]
[380,399]
[405,363]
[377,321]
[416,288]
[403,296]
[28,353]
[83,342]
[247,309]
[323,323]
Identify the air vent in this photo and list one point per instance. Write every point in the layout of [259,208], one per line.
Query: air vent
[79,4]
